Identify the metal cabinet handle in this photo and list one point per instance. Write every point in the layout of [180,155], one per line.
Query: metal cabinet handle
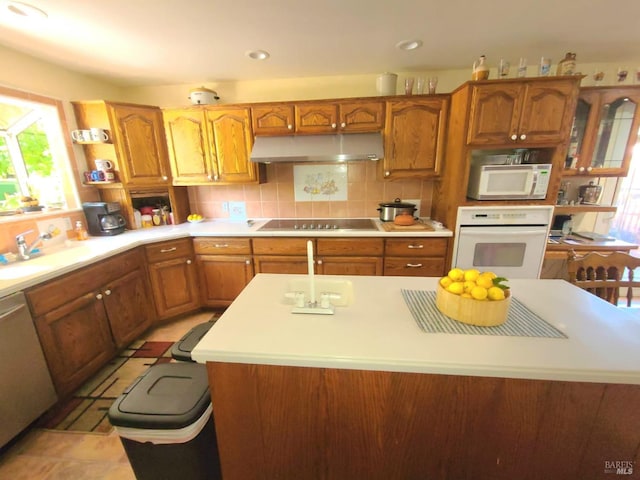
[188,262]
[165,178]
[343,124]
[415,246]
[215,177]
[589,169]
[523,137]
[319,262]
[107,292]
[581,169]
[221,245]
[290,127]
[414,265]
[387,173]
[167,250]
[514,137]
[99,296]
[333,125]
[247,262]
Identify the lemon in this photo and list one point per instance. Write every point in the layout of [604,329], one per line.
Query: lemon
[456,274]
[484,281]
[468,286]
[471,275]
[479,293]
[495,293]
[491,275]
[445,282]
[456,288]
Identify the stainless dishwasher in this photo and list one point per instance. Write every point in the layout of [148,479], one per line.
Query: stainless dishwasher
[26,389]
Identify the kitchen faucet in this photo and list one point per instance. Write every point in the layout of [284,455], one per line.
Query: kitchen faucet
[24,250]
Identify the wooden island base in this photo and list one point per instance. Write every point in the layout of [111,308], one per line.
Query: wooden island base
[276,422]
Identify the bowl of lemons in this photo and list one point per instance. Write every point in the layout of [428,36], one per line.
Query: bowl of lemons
[474,297]
[195,218]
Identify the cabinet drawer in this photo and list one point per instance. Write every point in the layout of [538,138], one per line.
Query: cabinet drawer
[349,246]
[45,297]
[414,266]
[222,246]
[280,246]
[412,247]
[161,251]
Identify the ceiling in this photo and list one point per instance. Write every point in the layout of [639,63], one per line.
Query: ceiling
[162,42]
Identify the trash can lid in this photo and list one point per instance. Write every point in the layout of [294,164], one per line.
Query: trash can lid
[181,350]
[166,396]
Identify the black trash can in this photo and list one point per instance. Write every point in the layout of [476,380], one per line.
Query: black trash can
[165,423]
[181,350]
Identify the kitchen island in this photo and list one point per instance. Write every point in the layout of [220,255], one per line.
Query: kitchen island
[365,393]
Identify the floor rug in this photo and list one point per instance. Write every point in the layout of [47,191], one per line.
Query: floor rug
[87,410]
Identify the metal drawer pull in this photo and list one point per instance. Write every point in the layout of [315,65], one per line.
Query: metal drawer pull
[107,292]
[99,296]
[188,262]
[167,250]
[414,265]
[221,245]
[415,246]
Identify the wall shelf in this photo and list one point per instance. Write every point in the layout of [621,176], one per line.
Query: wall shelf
[573,209]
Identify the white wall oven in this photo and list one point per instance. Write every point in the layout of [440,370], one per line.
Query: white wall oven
[509,241]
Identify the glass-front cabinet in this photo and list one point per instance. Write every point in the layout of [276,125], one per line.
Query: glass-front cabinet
[604,131]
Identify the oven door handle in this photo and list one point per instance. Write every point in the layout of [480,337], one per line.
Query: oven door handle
[502,231]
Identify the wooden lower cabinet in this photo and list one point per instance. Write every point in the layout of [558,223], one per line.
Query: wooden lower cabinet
[83,318]
[415,257]
[173,277]
[225,267]
[349,256]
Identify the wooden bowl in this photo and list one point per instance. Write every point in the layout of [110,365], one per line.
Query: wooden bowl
[487,313]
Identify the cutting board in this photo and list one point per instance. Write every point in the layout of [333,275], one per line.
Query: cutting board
[416,227]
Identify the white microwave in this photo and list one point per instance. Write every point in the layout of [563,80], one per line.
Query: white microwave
[508,182]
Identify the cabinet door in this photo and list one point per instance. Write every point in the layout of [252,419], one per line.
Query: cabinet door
[230,142]
[316,118]
[175,287]
[222,278]
[415,137]
[349,265]
[272,119]
[141,145]
[616,135]
[129,306]
[361,116]
[547,112]
[188,153]
[76,341]
[582,137]
[495,113]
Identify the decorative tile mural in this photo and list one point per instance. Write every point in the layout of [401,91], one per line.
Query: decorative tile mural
[320,183]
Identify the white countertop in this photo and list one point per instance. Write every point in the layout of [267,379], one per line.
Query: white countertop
[377,332]
[63,259]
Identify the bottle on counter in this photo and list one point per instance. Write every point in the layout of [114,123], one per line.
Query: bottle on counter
[81,232]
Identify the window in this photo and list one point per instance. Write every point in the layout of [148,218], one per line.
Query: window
[34,160]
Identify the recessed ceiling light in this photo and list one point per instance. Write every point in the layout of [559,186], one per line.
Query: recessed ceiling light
[409,44]
[258,54]
[26,10]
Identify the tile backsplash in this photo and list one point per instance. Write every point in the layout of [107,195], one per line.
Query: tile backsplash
[276,197]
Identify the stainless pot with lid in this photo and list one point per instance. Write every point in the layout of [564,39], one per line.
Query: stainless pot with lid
[590,194]
[388,211]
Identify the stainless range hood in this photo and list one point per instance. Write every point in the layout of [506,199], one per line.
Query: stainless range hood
[318,148]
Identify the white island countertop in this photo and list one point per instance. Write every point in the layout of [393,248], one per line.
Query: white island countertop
[378,332]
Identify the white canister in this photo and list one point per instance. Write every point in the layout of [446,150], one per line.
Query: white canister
[386,84]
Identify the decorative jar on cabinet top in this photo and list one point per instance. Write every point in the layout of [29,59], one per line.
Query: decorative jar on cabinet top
[480,69]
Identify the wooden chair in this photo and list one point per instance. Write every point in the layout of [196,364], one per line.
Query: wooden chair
[605,275]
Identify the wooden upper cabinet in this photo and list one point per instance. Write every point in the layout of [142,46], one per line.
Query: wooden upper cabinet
[273,119]
[229,135]
[210,145]
[366,116]
[316,117]
[415,137]
[188,150]
[604,131]
[140,143]
[523,112]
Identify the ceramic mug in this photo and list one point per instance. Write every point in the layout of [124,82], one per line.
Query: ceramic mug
[98,135]
[81,135]
[97,176]
[103,164]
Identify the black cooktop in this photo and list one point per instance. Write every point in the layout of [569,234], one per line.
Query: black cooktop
[319,224]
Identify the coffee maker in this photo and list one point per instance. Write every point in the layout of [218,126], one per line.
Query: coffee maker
[103,218]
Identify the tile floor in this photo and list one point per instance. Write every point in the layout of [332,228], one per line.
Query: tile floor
[54,455]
